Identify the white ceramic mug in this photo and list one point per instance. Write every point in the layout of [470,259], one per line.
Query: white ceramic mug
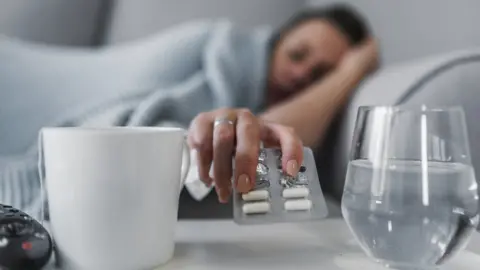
[113,194]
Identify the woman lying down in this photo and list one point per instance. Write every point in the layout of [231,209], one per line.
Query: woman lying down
[283,87]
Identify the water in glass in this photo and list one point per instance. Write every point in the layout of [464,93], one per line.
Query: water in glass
[410,211]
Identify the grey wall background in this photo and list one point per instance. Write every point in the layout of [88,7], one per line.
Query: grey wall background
[410,28]
[134,19]
[96,22]
[407,29]
[72,22]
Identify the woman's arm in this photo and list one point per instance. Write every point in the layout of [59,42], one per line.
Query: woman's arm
[311,112]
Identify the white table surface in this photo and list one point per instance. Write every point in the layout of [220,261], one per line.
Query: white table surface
[327,245]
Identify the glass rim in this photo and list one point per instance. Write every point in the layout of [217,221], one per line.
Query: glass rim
[398,108]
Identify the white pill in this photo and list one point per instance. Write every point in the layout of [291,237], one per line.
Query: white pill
[256,208]
[298,205]
[255,195]
[296,192]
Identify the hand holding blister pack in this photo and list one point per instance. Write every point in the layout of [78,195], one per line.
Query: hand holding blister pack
[278,197]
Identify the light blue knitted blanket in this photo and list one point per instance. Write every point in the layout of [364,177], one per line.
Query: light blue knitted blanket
[206,65]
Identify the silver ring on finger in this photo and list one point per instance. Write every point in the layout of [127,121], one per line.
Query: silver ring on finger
[223,121]
[228,119]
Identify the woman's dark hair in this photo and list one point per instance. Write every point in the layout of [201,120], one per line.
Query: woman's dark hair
[342,16]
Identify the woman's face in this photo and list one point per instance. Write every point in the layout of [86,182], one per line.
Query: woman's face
[305,54]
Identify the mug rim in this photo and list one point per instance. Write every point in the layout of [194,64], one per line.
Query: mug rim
[115,129]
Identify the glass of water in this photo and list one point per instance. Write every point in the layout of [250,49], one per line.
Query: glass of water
[410,196]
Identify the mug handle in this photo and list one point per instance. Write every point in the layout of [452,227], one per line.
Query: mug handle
[185,164]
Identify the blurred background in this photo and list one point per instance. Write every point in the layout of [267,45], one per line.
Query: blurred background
[407,29]
[408,32]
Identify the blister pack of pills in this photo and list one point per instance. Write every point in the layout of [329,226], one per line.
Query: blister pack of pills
[278,197]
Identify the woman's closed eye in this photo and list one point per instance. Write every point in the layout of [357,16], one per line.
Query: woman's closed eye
[298,56]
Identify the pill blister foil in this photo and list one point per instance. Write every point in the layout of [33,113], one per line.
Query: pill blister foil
[271,177]
[262,169]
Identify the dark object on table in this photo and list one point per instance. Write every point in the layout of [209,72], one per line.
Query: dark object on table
[24,242]
[208,208]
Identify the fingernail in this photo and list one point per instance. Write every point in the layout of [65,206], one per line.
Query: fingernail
[205,181]
[223,195]
[292,167]
[243,183]
[208,182]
